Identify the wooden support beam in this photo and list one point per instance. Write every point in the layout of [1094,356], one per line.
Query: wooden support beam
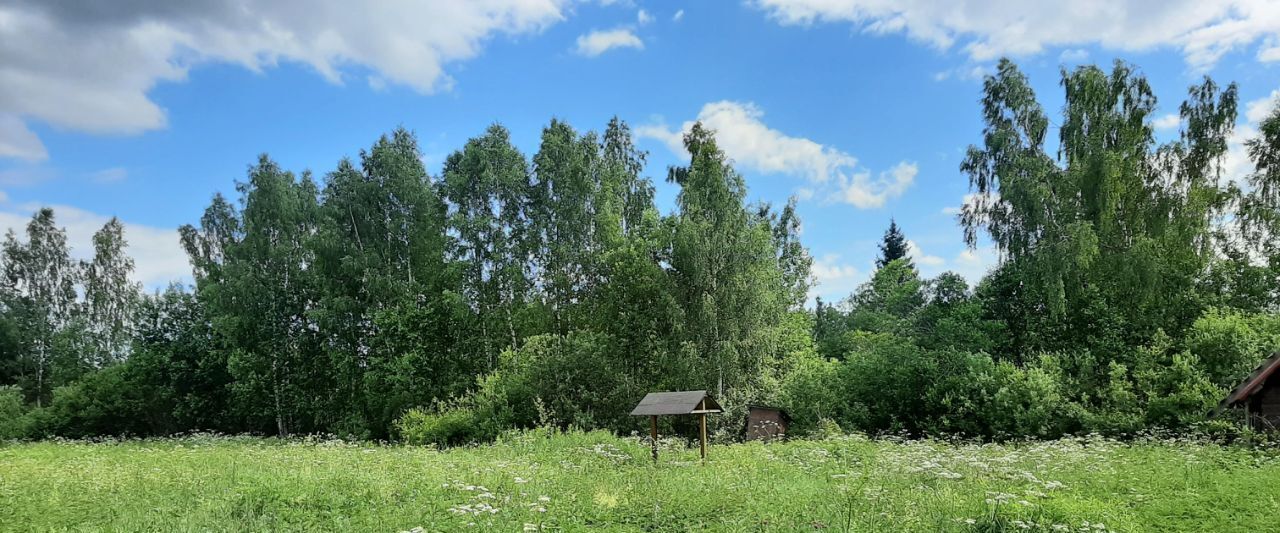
[653,435]
[703,422]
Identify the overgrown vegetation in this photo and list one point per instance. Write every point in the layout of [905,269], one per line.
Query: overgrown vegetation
[1137,285]
[538,480]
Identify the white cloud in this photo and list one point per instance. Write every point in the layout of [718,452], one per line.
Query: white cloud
[921,258]
[751,144]
[90,66]
[967,72]
[18,141]
[643,17]
[109,175]
[834,280]
[599,42]
[157,253]
[1073,55]
[679,15]
[860,190]
[974,264]
[1168,121]
[1257,110]
[969,200]
[1237,165]
[984,29]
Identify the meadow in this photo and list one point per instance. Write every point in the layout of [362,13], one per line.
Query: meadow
[539,480]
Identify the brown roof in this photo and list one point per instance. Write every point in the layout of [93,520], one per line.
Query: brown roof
[676,403]
[779,410]
[1251,384]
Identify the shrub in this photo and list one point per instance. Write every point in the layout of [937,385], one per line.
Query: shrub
[444,426]
[811,394]
[12,412]
[1030,403]
[1228,344]
[1179,393]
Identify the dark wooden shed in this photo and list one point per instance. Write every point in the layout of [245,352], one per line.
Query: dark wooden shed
[693,402]
[766,423]
[1259,394]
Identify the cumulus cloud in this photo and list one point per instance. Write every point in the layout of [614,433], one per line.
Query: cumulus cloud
[1237,165]
[1257,110]
[921,258]
[968,72]
[643,17]
[89,66]
[599,42]
[975,264]
[1073,55]
[833,279]
[970,199]
[679,15]
[1202,31]
[18,141]
[1168,121]
[753,145]
[157,253]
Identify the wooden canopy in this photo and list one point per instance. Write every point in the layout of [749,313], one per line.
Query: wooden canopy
[676,403]
[691,402]
[1251,384]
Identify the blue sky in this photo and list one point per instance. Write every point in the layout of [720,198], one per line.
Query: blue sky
[862,108]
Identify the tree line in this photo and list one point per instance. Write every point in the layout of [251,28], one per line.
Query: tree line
[378,301]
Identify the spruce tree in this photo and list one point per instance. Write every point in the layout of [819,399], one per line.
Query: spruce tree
[894,246]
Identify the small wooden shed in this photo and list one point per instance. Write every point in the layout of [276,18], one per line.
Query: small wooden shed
[1259,394]
[766,423]
[693,402]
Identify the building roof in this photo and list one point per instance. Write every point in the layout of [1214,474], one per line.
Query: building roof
[1251,384]
[780,410]
[676,403]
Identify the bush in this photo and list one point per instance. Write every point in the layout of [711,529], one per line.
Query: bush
[444,426]
[1030,403]
[12,412]
[1179,393]
[1228,344]
[811,394]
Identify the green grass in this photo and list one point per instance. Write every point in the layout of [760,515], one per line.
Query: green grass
[581,481]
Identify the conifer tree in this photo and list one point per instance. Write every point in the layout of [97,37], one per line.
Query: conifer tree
[893,246]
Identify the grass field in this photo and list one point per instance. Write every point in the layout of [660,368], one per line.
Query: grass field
[580,481]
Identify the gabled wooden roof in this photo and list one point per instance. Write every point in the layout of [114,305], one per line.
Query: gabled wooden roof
[676,403]
[1251,384]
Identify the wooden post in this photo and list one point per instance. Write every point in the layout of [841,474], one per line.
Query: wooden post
[702,419]
[653,435]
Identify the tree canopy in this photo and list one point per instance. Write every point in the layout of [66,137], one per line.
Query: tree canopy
[1137,284]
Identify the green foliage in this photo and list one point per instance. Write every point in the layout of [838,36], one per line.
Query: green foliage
[1228,344]
[1179,393]
[812,393]
[1113,223]
[549,291]
[893,247]
[12,408]
[445,426]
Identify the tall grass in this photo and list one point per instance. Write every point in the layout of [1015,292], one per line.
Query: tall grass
[577,481]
